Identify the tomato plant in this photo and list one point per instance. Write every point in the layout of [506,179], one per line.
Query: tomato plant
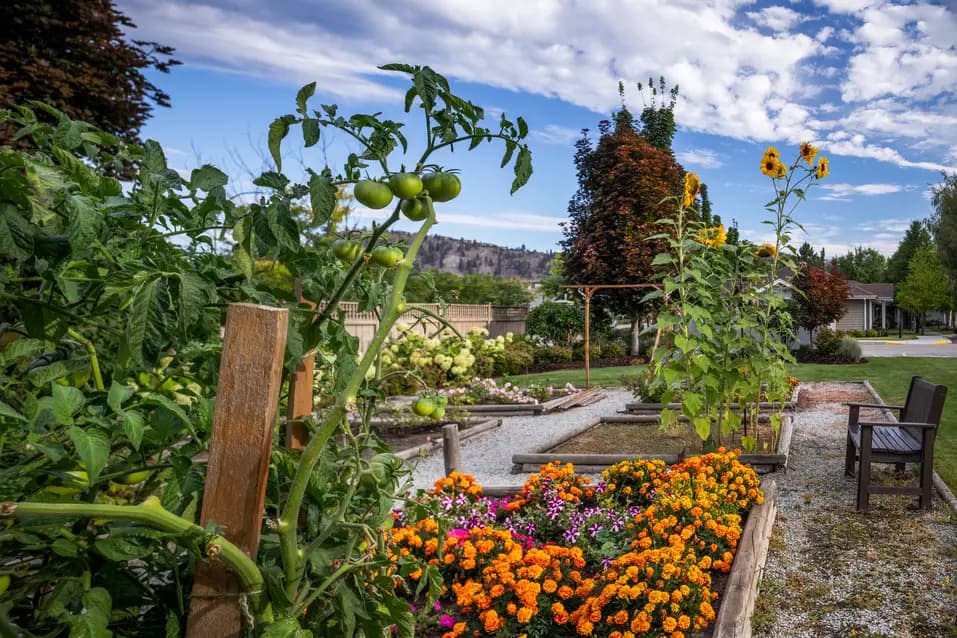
[121,290]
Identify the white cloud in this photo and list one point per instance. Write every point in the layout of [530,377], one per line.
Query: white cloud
[555,134]
[736,80]
[843,191]
[776,18]
[887,225]
[706,158]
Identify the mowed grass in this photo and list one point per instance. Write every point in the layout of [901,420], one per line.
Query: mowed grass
[890,376]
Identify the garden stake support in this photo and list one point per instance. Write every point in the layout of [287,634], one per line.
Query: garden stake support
[451,450]
[247,400]
[588,290]
[300,398]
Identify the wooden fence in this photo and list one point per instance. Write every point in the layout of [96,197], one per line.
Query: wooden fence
[498,320]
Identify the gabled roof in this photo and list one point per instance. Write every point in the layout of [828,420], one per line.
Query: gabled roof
[880,291]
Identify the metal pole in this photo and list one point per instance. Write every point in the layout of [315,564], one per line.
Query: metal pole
[588,293]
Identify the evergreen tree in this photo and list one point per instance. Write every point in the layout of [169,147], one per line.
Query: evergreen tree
[916,237]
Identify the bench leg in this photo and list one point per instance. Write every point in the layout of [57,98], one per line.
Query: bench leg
[927,471]
[864,473]
[850,455]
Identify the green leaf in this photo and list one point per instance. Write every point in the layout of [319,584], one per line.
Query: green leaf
[397,66]
[138,322]
[118,395]
[93,448]
[85,221]
[67,401]
[285,628]
[523,169]
[691,403]
[668,418]
[169,404]
[95,617]
[522,126]
[662,259]
[56,370]
[133,427]
[126,544]
[310,131]
[510,147]
[63,547]
[173,629]
[207,177]
[277,131]
[303,96]
[702,425]
[684,343]
[322,198]
[16,233]
[10,413]
[154,161]
[192,298]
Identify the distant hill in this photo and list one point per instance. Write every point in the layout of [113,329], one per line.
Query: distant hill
[467,256]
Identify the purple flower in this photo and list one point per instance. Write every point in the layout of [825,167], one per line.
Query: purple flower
[594,529]
[446,621]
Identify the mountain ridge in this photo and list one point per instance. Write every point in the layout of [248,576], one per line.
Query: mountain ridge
[468,256]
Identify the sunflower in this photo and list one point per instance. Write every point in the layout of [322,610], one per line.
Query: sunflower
[772,153]
[766,250]
[713,236]
[822,170]
[808,152]
[692,188]
[772,166]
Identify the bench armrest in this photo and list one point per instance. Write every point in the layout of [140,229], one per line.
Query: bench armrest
[891,424]
[875,405]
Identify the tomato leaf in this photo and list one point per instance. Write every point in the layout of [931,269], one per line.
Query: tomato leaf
[322,198]
[133,427]
[277,131]
[303,96]
[509,150]
[93,448]
[67,401]
[16,235]
[523,169]
[10,413]
[522,126]
[207,177]
[310,131]
[138,322]
[84,222]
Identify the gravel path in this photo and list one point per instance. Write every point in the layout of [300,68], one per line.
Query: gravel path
[834,572]
[488,456]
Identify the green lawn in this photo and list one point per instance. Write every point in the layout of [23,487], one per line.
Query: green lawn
[889,376]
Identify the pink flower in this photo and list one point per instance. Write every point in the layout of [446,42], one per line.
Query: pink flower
[446,621]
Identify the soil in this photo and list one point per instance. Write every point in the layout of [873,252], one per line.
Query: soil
[647,438]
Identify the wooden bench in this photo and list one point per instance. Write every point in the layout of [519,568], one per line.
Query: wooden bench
[909,440]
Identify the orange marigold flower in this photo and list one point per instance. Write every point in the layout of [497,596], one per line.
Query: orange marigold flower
[525,614]
[669,624]
[549,586]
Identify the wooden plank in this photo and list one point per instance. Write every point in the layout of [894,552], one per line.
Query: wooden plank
[300,401]
[784,443]
[741,591]
[246,406]
[654,418]
[451,450]
[582,459]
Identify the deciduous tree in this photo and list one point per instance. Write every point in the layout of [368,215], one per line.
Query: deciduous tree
[821,297]
[863,264]
[927,286]
[943,222]
[915,237]
[75,55]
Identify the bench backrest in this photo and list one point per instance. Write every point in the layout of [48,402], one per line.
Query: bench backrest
[925,403]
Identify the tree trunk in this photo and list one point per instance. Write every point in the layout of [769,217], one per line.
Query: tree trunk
[635,334]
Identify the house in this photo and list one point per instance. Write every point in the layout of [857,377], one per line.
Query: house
[869,306]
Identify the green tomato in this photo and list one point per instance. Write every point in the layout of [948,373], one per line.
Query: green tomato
[372,194]
[78,481]
[442,187]
[423,406]
[133,477]
[441,400]
[405,185]
[387,256]
[345,249]
[416,209]
[4,583]
[438,413]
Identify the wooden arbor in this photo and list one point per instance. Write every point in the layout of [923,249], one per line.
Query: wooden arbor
[588,290]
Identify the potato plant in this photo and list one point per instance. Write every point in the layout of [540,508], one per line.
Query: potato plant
[112,298]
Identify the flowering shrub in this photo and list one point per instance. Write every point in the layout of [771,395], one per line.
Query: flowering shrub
[632,555]
[444,360]
[489,391]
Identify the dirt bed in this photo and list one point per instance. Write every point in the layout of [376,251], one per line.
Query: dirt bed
[833,572]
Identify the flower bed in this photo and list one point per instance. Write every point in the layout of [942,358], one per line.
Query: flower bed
[489,392]
[633,555]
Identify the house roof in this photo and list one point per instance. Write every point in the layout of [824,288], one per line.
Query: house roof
[860,290]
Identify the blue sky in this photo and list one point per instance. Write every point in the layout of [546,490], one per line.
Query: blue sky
[872,82]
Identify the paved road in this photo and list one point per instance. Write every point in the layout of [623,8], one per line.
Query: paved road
[924,346]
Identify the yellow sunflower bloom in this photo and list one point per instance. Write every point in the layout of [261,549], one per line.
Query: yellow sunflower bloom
[766,250]
[692,189]
[822,169]
[808,152]
[713,236]
[772,153]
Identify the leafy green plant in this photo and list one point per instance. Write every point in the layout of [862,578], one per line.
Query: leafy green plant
[109,366]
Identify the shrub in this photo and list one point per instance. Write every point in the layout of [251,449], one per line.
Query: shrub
[553,354]
[556,323]
[613,350]
[848,350]
[827,341]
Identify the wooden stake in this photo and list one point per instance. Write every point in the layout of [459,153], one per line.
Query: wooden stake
[451,451]
[247,400]
[300,398]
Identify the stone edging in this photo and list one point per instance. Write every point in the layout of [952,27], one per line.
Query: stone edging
[741,591]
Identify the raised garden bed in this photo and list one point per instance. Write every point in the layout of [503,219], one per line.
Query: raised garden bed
[595,446]
[564,402]
[411,442]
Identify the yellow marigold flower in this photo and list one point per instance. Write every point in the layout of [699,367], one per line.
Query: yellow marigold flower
[692,188]
[808,152]
[822,169]
[766,250]
[713,236]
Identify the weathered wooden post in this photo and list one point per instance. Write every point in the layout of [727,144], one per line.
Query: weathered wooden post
[247,399]
[451,451]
